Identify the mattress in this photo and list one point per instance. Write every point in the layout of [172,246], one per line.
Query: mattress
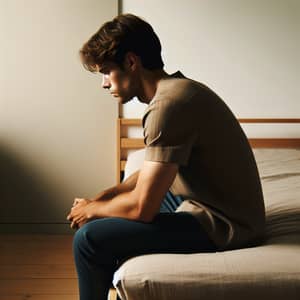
[269,271]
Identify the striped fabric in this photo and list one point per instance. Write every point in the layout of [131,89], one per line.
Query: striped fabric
[170,203]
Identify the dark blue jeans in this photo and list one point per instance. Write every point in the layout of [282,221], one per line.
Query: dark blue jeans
[101,245]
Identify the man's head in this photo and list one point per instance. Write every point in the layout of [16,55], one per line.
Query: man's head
[124,50]
[125,33]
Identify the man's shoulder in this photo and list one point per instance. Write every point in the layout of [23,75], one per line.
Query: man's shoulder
[176,99]
[173,91]
[179,84]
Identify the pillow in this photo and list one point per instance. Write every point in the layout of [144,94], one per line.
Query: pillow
[280,177]
[134,162]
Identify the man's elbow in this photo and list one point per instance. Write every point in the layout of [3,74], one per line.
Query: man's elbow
[143,212]
[144,215]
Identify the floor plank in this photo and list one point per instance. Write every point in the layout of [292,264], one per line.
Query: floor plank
[38,267]
[39,297]
[36,249]
[38,286]
[37,271]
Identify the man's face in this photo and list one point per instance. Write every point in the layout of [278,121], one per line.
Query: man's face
[118,81]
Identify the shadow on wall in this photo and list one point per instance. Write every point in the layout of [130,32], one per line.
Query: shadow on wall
[25,196]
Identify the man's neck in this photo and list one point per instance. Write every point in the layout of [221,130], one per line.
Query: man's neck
[148,84]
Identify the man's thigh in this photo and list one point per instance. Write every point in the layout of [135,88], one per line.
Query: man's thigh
[167,233]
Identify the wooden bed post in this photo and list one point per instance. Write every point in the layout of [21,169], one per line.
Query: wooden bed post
[118,150]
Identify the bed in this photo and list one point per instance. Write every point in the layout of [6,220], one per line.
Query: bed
[269,271]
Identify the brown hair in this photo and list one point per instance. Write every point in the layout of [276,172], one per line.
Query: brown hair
[125,33]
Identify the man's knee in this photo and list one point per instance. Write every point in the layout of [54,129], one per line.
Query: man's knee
[94,234]
[80,240]
[83,241]
[93,242]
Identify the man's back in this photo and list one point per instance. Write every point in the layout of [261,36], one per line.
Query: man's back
[188,124]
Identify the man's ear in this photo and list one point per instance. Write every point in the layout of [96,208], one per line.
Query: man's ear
[132,61]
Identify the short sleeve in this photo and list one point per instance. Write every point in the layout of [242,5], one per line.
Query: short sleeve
[169,134]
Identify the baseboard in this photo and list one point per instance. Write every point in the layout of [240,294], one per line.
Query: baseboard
[27,228]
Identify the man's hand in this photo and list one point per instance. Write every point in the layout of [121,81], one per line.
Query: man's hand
[79,214]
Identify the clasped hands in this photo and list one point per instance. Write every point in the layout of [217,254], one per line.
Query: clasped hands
[80,213]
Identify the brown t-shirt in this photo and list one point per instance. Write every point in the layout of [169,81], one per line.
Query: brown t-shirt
[188,124]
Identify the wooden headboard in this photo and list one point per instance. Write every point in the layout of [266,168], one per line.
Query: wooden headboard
[125,143]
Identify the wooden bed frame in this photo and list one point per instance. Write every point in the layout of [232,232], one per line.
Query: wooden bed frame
[125,143]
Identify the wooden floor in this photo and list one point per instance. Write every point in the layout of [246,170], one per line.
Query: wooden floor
[37,267]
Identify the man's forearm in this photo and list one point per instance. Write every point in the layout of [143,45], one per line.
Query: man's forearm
[125,186]
[106,194]
[123,205]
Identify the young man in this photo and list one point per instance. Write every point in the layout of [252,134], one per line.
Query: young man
[198,189]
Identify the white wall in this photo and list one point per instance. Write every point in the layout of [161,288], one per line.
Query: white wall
[57,126]
[247,51]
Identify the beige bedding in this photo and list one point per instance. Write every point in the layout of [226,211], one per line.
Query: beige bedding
[270,271]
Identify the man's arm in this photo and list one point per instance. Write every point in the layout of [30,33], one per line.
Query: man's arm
[141,203]
[125,186]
